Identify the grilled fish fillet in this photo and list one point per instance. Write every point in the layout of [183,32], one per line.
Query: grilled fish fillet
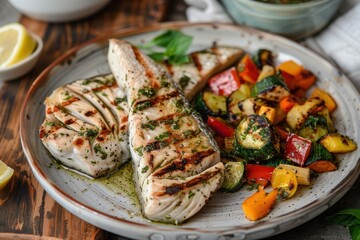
[86,126]
[176,163]
[192,77]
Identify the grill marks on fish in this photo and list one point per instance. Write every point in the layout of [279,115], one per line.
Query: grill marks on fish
[197,62]
[149,74]
[102,88]
[158,99]
[177,164]
[203,179]
[180,165]
[70,101]
[83,129]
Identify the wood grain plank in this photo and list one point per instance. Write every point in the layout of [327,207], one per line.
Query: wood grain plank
[27,211]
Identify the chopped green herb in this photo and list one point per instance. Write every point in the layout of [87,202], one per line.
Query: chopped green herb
[139,150]
[67,97]
[119,100]
[149,125]
[168,121]
[88,81]
[164,83]
[91,133]
[144,169]
[147,91]
[175,125]
[163,144]
[184,81]
[179,103]
[142,106]
[150,147]
[191,194]
[162,136]
[98,149]
[188,133]
[51,124]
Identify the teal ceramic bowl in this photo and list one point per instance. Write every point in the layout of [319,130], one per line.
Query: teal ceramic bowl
[291,20]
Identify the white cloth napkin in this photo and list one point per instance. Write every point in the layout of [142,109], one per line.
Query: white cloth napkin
[340,42]
[206,11]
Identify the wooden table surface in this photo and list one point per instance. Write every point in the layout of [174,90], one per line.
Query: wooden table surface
[27,211]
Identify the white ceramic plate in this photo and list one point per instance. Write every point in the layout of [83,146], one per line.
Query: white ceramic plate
[110,208]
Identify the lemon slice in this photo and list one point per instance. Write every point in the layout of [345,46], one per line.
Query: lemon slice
[15,44]
[6,173]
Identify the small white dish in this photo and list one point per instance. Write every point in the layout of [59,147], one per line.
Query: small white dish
[58,10]
[25,65]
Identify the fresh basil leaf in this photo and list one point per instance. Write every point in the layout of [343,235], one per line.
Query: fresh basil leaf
[347,217]
[175,43]
[161,40]
[355,232]
[164,39]
[157,56]
[178,45]
[180,59]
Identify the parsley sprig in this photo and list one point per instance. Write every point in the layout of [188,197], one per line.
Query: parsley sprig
[174,44]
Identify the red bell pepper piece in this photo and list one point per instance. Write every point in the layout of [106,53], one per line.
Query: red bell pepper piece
[225,82]
[257,172]
[248,70]
[289,80]
[220,127]
[297,149]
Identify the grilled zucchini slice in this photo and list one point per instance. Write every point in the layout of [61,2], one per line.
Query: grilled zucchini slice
[256,140]
[209,104]
[314,128]
[232,103]
[271,88]
[234,176]
[263,57]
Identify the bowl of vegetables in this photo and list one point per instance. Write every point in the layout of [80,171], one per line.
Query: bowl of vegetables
[292,18]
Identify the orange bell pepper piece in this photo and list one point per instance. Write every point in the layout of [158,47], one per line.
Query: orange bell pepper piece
[287,103]
[291,68]
[259,204]
[305,79]
[248,70]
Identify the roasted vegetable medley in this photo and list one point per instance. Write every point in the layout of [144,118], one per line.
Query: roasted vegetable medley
[268,131]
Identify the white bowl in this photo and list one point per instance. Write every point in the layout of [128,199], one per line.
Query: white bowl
[292,20]
[25,65]
[58,10]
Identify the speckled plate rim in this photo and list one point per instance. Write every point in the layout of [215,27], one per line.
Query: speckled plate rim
[128,228]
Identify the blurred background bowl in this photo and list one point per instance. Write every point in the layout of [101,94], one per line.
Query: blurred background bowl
[58,10]
[291,20]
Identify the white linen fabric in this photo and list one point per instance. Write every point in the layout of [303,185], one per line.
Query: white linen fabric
[206,11]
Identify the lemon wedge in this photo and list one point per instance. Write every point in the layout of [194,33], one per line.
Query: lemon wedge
[15,44]
[6,173]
